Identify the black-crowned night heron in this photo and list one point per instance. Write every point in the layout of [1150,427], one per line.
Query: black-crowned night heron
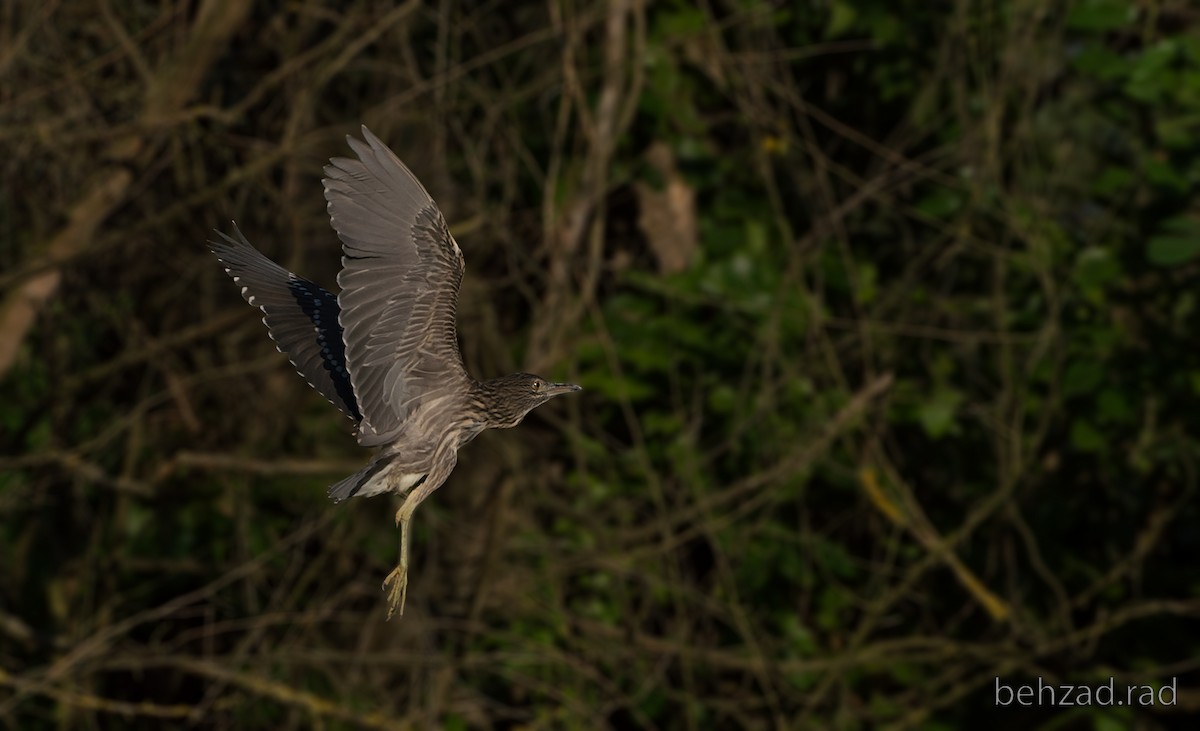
[385,350]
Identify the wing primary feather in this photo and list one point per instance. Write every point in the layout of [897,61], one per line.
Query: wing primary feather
[301,317]
[400,280]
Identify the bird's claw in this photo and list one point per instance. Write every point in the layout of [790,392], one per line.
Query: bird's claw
[398,580]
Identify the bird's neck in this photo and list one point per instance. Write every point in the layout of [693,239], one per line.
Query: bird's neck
[485,396]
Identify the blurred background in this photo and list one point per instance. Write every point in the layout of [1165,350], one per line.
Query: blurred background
[886,314]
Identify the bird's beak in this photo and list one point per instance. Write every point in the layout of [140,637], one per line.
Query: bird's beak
[558,389]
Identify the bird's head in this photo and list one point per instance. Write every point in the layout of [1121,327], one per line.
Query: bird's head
[509,398]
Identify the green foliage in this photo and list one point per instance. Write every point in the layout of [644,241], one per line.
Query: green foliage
[932,353]
[1176,242]
[1101,15]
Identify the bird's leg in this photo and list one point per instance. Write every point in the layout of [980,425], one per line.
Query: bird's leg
[398,579]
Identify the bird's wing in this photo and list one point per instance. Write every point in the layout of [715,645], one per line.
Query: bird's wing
[401,271]
[301,317]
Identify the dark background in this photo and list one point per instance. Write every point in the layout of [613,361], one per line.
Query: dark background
[886,312]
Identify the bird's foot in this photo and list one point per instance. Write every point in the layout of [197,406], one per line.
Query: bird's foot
[398,580]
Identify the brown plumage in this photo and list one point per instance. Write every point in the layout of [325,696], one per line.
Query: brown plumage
[385,350]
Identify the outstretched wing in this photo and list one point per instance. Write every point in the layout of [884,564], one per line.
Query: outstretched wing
[301,317]
[401,271]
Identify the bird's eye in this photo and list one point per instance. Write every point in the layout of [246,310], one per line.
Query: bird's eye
[538,385]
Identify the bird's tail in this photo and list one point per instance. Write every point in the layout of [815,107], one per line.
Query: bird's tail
[355,484]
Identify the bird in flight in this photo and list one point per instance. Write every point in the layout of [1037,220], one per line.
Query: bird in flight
[385,350]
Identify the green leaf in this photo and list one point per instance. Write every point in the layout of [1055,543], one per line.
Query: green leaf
[1095,267]
[841,17]
[682,22]
[941,203]
[1152,79]
[1162,173]
[1086,437]
[1178,132]
[1112,406]
[1102,63]
[722,399]
[937,415]
[867,288]
[1101,15]
[1082,377]
[1113,181]
[1177,242]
